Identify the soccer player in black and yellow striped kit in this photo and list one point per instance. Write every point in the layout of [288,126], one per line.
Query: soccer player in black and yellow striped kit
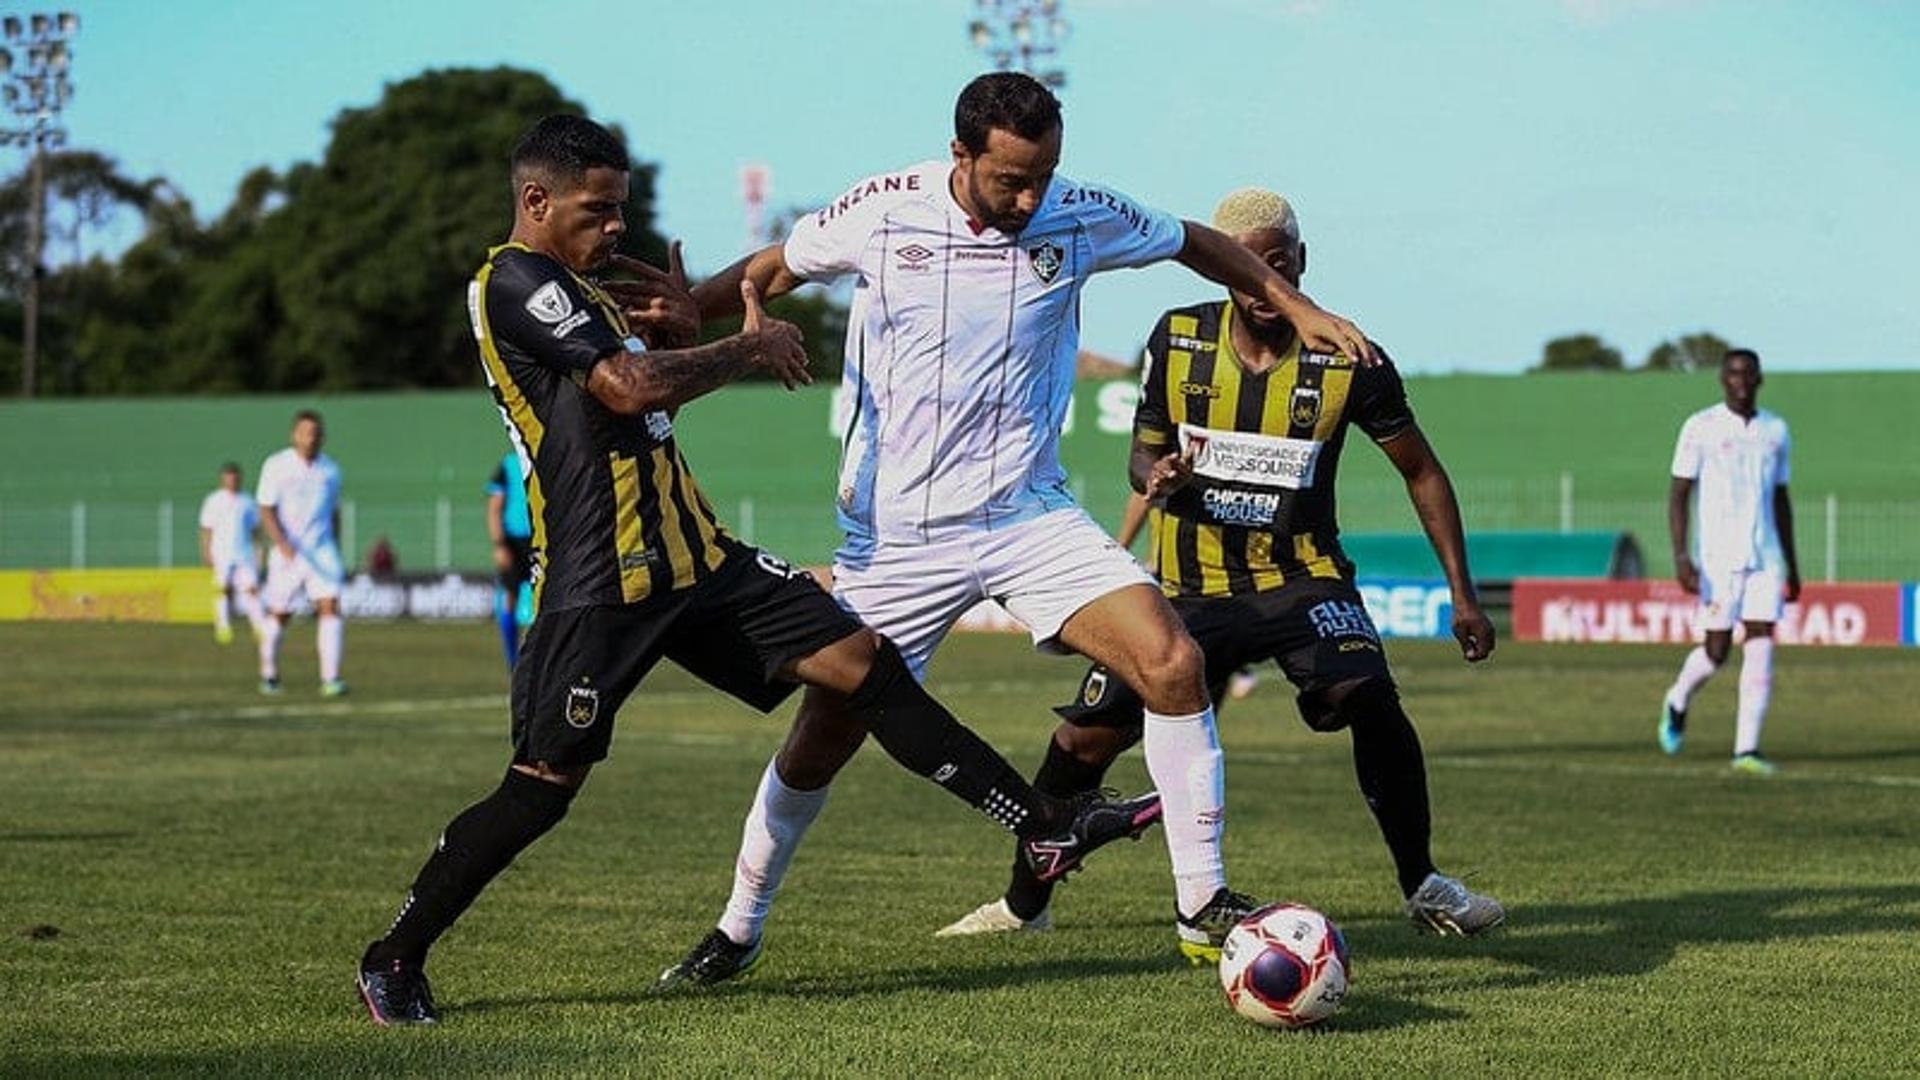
[631,566]
[1237,442]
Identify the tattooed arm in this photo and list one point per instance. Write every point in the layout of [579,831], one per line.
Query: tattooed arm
[632,383]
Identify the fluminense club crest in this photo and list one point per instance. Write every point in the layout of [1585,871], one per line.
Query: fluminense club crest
[1046,258]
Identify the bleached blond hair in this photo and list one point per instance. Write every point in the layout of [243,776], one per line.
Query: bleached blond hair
[1254,209]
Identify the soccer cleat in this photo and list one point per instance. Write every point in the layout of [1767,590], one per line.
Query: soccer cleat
[397,993]
[1752,764]
[1096,823]
[1445,906]
[270,686]
[1203,932]
[1673,728]
[223,634]
[333,688]
[716,959]
[996,918]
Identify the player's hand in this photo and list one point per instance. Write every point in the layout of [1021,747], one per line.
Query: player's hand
[502,556]
[1168,475]
[1686,575]
[286,551]
[657,303]
[777,345]
[1323,331]
[1793,586]
[1474,631]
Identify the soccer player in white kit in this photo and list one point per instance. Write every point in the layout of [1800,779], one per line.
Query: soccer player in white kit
[228,519]
[960,356]
[299,497]
[1733,457]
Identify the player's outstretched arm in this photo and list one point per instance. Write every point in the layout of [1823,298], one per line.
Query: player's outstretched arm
[1433,499]
[1678,494]
[657,303]
[634,383]
[719,295]
[1218,257]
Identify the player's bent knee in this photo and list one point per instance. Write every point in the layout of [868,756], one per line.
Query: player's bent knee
[1174,670]
[1345,705]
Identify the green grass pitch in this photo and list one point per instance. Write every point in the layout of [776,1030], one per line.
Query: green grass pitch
[213,864]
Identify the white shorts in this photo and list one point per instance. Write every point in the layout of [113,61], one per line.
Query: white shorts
[236,575]
[317,573]
[1732,596]
[1041,571]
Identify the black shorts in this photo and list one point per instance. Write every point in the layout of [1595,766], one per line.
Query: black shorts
[1316,629]
[521,571]
[734,631]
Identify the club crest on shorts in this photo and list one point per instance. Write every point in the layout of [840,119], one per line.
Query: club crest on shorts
[583,706]
[1304,407]
[1094,690]
[1046,258]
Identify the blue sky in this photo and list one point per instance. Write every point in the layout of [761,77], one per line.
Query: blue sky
[1473,177]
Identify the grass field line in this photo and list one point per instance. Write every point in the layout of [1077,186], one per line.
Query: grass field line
[419,706]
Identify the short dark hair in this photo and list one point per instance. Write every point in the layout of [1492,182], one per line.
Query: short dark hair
[308,414]
[1734,353]
[562,147]
[231,467]
[1008,100]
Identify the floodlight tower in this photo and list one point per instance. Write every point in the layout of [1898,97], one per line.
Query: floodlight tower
[34,62]
[1020,34]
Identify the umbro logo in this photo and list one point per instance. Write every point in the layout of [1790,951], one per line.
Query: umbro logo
[913,257]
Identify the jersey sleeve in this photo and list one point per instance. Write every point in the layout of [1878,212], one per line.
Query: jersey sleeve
[497,483]
[535,305]
[1380,400]
[1152,423]
[267,493]
[829,242]
[208,518]
[1123,232]
[1686,452]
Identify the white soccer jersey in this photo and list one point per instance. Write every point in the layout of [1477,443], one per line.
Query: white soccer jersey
[231,517]
[304,494]
[961,346]
[1736,465]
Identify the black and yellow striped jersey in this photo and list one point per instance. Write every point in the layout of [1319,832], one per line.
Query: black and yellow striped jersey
[1265,449]
[616,515]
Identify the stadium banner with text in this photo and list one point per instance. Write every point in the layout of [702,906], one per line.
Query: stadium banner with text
[116,595]
[1661,612]
[414,596]
[1399,608]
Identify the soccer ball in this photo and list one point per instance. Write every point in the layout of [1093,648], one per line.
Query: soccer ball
[1284,966]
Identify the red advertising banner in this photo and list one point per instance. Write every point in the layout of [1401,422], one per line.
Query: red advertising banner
[1661,612]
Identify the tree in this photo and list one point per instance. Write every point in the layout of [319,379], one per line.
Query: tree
[1579,352]
[1693,352]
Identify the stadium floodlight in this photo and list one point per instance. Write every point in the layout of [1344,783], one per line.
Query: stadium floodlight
[36,90]
[1018,34]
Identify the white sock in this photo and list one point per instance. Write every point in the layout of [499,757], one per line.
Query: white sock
[1694,673]
[270,630]
[250,607]
[331,640]
[1184,759]
[222,623]
[1756,686]
[775,825]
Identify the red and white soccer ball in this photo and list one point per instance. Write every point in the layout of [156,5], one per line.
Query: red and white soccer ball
[1284,966]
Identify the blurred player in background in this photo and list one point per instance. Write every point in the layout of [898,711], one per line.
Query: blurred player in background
[510,527]
[299,497]
[228,520]
[960,356]
[1733,457]
[1237,443]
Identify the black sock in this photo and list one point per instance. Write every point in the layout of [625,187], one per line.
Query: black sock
[1061,775]
[919,733]
[1393,778]
[475,847]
